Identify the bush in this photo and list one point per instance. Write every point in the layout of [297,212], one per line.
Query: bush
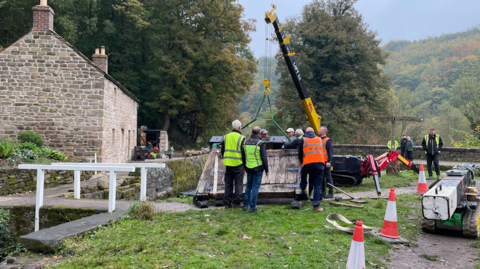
[31,136]
[45,150]
[31,146]
[7,241]
[141,210]
[7,148]
[56,155]
[24,154]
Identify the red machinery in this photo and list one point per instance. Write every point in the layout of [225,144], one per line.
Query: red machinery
[370,166]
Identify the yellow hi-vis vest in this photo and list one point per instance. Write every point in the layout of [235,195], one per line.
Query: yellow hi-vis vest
[233,153]
[427,139]
[252,154]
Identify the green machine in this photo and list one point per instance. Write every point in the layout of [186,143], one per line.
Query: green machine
[452,204]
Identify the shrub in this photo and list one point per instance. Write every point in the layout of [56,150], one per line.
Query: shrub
[56,155]
[31,146]
[7,241]
[7,148]
[141,210]
[24,154]
[45,150]
[31,136]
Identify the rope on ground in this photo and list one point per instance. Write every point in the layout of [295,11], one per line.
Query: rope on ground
[331,217]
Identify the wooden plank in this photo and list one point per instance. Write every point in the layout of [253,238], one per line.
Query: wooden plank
[345,205]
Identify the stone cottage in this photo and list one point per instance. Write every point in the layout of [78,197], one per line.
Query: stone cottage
[49,87]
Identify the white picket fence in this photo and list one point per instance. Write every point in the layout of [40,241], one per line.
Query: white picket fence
[112,168]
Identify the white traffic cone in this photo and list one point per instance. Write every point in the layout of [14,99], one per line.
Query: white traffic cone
[422,182]
[356,256]
[390,226]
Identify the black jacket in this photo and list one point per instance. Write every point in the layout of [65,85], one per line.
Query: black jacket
[292,144]
[241,148]
[253,140]
[433,148]
[403,143]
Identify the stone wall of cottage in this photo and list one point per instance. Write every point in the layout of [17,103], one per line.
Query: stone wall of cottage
[120,118]
[46,87]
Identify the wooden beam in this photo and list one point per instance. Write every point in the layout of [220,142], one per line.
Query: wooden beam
[345,205]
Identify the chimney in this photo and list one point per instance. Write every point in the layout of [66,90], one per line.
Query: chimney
[101,59]
[42,17]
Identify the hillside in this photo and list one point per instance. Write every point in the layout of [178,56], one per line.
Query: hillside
[422,75]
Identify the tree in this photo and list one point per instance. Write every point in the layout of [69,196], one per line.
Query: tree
[466,96]
[340,59]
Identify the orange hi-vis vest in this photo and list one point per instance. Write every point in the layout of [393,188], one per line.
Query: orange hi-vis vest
[313,151]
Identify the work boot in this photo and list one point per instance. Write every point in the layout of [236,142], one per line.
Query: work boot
[310,197]
[438,177]
[317,208]
[430,178]
[245,208]
[254,210]
[328,196]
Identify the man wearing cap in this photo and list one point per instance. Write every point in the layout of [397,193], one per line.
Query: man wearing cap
[295,141]
[290,132]
[234,160]
[264,134]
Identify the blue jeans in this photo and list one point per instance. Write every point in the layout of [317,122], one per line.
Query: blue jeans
[254,179]
[315,170]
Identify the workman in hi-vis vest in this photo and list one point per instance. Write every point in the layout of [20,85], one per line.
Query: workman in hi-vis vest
[233,159]
[327,174]
[255,163]
[432,144]
[312,156]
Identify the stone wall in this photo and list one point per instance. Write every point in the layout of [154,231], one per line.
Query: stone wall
[13,180]
[163,144]
[179,175]
[23,217]
[48,87]
[447,154]
[120,118]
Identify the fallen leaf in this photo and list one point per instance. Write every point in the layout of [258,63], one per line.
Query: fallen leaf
[208,220]
[169,231]
[246,237]
[281,237]
[338,251]
[222,253]
[286,265]
[207,215]
[338,235]
[316,241]
[253,222]
[294,233]
[204,233]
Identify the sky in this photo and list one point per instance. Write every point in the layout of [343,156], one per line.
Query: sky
[391,19]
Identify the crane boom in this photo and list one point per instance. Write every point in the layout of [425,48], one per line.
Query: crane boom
[289,56]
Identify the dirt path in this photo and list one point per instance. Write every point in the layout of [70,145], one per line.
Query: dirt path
[448,249]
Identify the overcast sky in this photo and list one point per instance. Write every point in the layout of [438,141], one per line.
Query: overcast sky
[391,19]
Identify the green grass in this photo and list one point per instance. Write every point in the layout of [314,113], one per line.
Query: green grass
[181,199]
[275,237]
[403,179]
[429,257]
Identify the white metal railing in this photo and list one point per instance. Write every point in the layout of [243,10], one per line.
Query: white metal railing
[143,171]
[76,168]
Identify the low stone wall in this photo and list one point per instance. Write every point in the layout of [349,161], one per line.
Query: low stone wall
[14,180]
[179,175]
[22,220]
[447,154]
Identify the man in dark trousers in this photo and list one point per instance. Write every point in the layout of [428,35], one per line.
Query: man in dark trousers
[234,159]
[404,145]
[255,163]
[409,149]
[312,156]
[432,144]
[327,175]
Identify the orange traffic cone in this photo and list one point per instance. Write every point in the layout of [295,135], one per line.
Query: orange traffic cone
[390,227]
[356,256]
[422,182]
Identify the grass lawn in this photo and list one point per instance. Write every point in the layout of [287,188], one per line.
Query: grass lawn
[403,179]
[277,237]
